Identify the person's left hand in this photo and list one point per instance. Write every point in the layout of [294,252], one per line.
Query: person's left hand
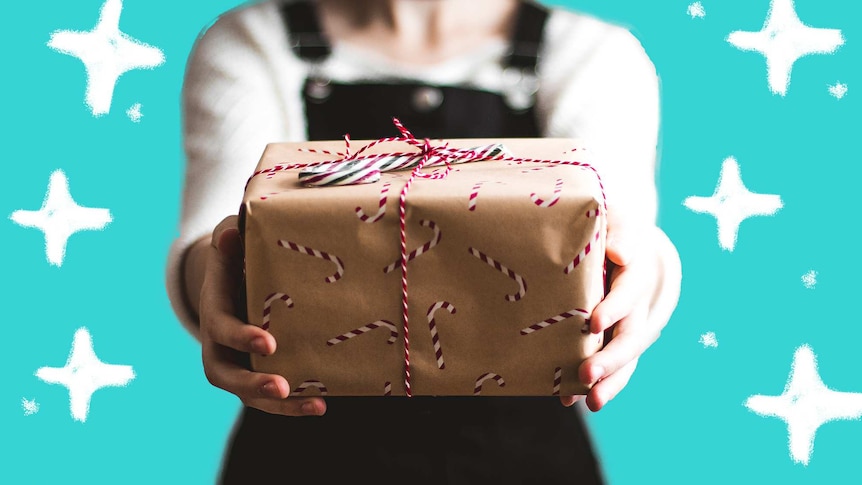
[644,272]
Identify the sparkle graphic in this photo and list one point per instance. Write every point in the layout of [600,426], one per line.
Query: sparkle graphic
[696,10]
[60,217]
[85,374]
[31,407]
[783,40]
[809,279]
[107,54]
[838,90]
[732,203]
[708,340]
[806,404]
[134,113]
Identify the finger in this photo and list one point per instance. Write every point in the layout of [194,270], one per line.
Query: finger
[227,225]
[267,392]
[629,287]
[608,388]
[227,330]
[292,406]
[631,337]
[570,400]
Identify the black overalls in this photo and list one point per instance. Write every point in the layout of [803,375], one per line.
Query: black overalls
[433,440]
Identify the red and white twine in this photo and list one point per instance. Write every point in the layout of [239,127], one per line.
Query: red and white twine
[421,249]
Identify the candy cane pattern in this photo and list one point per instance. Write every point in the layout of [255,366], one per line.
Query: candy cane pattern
[558,187]
[474,194]
[484,377]
[595,212]
[339,266]
[580,256]
[558,379]
[393,332]
[387,388]
[310,383]
[432,325]
[381,210]
[267,306]
[555,319]
[421,249]
[522,285]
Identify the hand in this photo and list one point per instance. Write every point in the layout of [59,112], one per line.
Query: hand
[226,341]
[644,288]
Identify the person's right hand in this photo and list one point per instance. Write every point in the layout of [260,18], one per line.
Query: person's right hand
[226,341]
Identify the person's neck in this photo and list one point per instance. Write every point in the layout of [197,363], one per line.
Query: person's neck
[422,31]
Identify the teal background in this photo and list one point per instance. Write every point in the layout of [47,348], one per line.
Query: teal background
[680,420]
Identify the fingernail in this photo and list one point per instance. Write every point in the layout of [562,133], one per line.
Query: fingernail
[309,408]
[598,373]
[258,344]
[269,389]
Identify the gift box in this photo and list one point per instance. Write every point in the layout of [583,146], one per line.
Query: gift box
[505,262]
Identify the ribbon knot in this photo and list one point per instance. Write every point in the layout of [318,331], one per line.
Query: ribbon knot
[357,169]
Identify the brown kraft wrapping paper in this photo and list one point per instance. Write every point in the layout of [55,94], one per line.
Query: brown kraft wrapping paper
[498,237]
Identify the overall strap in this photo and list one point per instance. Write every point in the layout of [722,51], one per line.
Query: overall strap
[304,33]
[526,39]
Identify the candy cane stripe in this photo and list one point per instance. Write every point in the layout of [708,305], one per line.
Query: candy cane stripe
[339,266]
[558,187]
[381,209]
[387,388]
[267,306]
[310,383]
[555,319]
[432,325]
[474,194]
[558,379]
[594,213]
[477,390]
[393,332]
[421,249]
[522,285]
[580,256]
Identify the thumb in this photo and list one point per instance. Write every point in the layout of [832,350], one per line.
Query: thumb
[225,236]
[620,248]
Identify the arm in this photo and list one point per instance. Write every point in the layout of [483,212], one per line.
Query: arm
[604,89]
[232,105]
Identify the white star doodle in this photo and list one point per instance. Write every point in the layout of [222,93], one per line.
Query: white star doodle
[806,404]
[838,90]
[696,10]
[60,217]
[134,113]
[732,203]
[85,374]
[31,407]
[783,40]
[107,54]
[708,340]
[809,279]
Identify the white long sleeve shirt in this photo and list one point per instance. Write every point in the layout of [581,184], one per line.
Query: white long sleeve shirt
[243,89]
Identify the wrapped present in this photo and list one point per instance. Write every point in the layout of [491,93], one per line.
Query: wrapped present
[501,264]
